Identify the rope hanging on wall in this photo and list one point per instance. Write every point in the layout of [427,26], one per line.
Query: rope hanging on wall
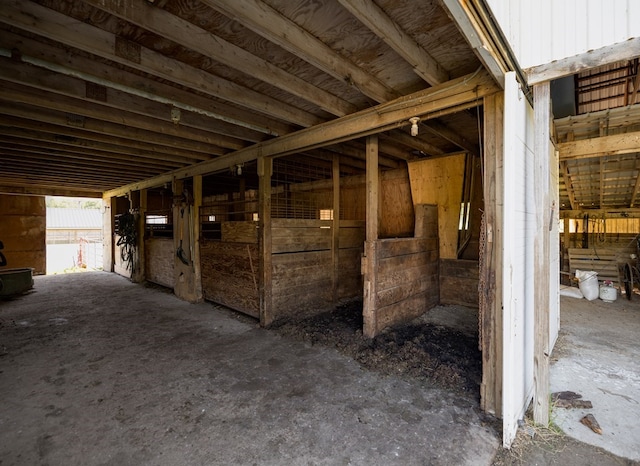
[128,232]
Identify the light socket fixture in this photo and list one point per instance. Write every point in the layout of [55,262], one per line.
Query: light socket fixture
[414,125]
[175,115]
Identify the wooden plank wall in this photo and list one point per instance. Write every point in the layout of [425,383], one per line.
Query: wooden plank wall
[459,282]
[230,268]
[159,261]
[22,230]
[407,272]
[302,277]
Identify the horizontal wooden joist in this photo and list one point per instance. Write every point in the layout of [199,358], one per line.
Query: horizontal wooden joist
[607,213]
[166,147]
[594,58]
[161,22]
[618,144]
[7,188]
[74,64]
[264,20]
[446,98]
[74,33]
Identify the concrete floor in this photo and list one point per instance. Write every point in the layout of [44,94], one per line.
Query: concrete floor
[598,356]
[95,370]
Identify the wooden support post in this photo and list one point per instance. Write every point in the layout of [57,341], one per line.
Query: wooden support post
[491,271]
[335,237]
[265,171]
[108,226]
[370,327]
[140,202]
[197,269]
[541,266]
[567,244]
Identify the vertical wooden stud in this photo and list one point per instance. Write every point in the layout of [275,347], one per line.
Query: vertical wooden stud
[335,227]
[541,267]
[197,268]
[265,171]
[491,271]
[370,327]
[108,225]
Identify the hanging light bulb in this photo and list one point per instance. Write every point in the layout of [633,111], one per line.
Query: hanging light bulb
[414,125]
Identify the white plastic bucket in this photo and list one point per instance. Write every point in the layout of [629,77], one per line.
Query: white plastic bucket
[608,294]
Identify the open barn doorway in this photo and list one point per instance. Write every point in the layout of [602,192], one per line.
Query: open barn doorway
[74,239]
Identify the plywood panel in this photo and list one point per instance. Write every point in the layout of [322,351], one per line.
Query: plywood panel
[230,275]
[23,231]
[239,232]
[396,206]
[159,261]
[439,181]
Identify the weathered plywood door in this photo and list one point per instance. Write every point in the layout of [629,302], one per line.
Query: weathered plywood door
[517,262]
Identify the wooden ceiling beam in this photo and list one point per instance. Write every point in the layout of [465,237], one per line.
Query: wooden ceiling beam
[55,160]
[452,136]
[163,23]
[414,142]
[23,74]
[453,96]
[31,190]
[71,177]
[618,144]
[166,146]
[592,59]
[75,62]
[267,22]
[372,16]
[83,152]
[117,147]
[609,212]
[14,93]
[48,23]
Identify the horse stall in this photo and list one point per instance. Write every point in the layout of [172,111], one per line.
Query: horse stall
[159,250]
[229,239]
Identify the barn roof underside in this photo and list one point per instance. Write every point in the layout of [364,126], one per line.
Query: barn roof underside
[96,96]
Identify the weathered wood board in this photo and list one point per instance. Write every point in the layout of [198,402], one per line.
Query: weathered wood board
[407,283]
[459,281]
[240,232]
[439,181]
[303,272]
[230,275]
[159,261]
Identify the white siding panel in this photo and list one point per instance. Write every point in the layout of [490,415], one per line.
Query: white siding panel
[547,30]
[519,221]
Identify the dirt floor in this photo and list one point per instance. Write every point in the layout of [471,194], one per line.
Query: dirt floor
[95,370]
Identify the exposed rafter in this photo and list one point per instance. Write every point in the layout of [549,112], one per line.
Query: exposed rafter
[379,22]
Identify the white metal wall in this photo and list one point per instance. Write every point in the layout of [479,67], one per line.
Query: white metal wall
[518,228]
[545,30]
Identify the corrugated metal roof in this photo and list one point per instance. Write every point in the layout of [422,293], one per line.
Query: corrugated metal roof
[74,218]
